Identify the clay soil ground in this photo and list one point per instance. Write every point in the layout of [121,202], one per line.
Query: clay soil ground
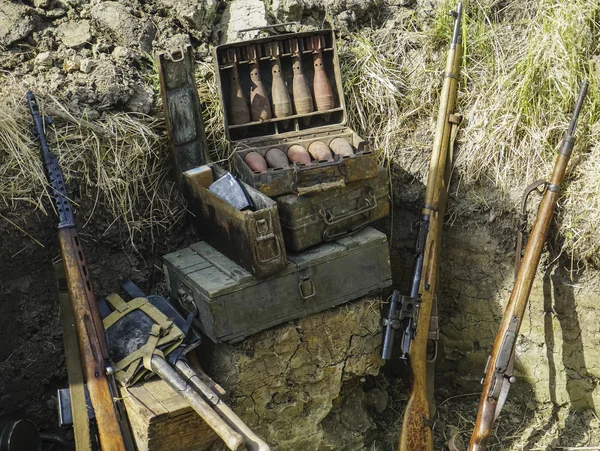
[32,365]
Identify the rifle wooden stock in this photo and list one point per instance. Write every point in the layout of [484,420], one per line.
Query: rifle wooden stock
[498,378]
[416,434]
[513,315]
[92,343]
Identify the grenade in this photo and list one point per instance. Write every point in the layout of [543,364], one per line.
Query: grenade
[256,162]
[341,147]
[320,151]
[276,158]
[282,104]
[259,101]
[298,154]
[302,97]
[321,85]
[239,113]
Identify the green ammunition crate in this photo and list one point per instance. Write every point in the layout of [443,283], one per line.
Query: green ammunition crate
[230,304]
[326,216]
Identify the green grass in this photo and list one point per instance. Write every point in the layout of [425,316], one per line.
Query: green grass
[522,67]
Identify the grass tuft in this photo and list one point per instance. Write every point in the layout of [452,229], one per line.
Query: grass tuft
[119,163]
[522,68]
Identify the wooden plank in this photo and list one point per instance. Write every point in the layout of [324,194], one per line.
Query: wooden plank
[160,418]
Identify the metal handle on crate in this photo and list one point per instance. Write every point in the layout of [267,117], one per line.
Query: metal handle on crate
[369,204]
[261,240]
[308,283]
[171,54]
[186,300]
[331,220]
[267,27]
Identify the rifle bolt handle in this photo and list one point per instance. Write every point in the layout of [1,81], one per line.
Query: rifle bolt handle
[109,371]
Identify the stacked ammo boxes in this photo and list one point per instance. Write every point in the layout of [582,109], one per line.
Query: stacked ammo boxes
[315,185]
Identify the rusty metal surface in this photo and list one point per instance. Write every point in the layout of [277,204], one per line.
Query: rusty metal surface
[257,53]
[233,63]
[317,177]
[182,110]
[326,216]
[253,239]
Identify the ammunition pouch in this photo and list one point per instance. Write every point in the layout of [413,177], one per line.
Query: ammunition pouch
[163,336]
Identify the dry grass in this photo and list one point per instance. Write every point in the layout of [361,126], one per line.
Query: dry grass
[120,163]
[522,68]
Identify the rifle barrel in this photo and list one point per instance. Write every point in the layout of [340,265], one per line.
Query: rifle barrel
[578,105]
[498,373]
[112,428]
[456,37]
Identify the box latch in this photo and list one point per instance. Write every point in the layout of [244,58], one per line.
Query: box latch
[306,287]
[266,244]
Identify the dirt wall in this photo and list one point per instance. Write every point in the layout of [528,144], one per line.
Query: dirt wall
[315,383]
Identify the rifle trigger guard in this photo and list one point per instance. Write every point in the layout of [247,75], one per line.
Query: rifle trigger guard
[434,354]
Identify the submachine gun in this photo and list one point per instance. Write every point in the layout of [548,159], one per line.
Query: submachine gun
[111,421]
[499,369]
[415,315]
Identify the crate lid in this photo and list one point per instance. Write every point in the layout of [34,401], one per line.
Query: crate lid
[255,65]
[205,269]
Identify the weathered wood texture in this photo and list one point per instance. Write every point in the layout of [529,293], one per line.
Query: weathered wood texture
[162,420]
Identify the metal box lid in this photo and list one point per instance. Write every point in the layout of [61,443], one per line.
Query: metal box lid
[259,65]
[215,275]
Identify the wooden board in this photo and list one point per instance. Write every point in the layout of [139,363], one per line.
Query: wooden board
[161,419]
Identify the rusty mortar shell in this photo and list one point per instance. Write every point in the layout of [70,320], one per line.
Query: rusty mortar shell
[321,85]
[340,146]
[256,162]
[298,154]
[276,158]
[239,112]
[303,101]
[320,151]
[260,106]
[282,104]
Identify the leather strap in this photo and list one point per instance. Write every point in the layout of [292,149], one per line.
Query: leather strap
[522,227]
[79,410]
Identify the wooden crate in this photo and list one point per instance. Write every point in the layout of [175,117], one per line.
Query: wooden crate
[161,419]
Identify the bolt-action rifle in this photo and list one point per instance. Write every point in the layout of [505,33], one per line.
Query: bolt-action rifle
[499,369]
[415,316]
[110,415]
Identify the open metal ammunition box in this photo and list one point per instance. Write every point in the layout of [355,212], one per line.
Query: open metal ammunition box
[252,239]
[275,68]
[229,304]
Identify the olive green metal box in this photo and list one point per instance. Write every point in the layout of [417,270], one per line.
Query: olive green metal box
[326,216]
[230,304]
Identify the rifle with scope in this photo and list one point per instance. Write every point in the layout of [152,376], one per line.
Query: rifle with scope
[415,315]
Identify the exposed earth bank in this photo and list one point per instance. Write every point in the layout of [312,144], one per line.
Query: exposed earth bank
[316,383]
